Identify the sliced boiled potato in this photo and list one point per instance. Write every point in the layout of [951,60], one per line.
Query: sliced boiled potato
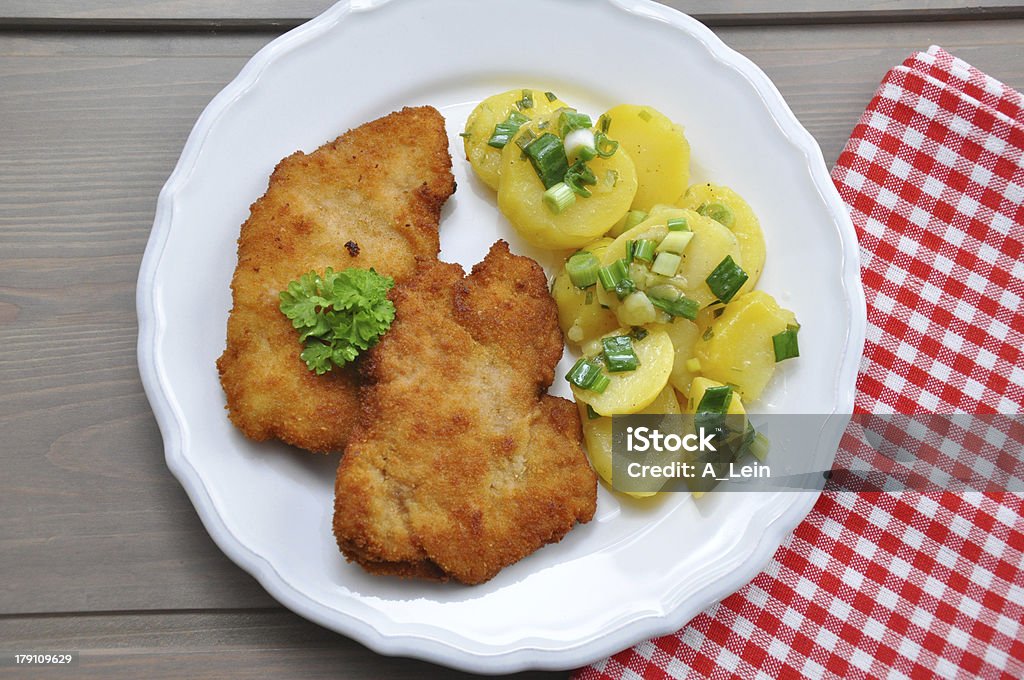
[737,347]
[739,218]
[597,435]
[699,386]
[631,391]
[484,158]
[654,227]
[581,321]
[684,335]
[659,150]
[711,244]
[521,192]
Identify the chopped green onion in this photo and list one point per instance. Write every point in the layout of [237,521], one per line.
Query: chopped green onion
[559,197]
[611,275]
[547,155]
[551,96]
[666,264]
[633,218]
[693,365]
[591,413]
[785,344]
[643,250]
[600,383]
[465,135]
[624,288]
[605,147]
[586,153]
[675,242]
[526,139]
[639,333]
[709,333]
[682,306]
[719,212]
[726,279]
[579,174]
[630,244]
[570,120]
[619,355]
[678,224]
[645,115]
[604,123]
[584,373]
[582,268]
[715,400]
[589,300]
[505,131]
[526,102]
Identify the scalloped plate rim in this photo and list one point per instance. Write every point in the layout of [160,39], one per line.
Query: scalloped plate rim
[447,652]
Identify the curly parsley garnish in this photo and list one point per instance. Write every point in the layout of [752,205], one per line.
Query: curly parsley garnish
[338,314]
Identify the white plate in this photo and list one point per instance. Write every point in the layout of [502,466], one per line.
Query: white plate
[637,570]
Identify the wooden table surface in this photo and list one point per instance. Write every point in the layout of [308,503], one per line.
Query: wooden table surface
[100,550]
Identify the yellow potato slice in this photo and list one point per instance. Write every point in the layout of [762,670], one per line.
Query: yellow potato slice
[659,149]
[484,158]
[581,321]
[520,197]
[684,335]
[737,348]
[597,435]
[631,391]
[653,227]
[711,243]
[744,225]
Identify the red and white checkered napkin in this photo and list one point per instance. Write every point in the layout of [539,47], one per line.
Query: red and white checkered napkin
[903,584]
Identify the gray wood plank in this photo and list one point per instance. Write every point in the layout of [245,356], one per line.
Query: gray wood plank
[200,645]
[289,12]
[90,520]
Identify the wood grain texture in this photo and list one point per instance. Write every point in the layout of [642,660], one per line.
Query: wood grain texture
[90,518]
[285,13]
[201,645]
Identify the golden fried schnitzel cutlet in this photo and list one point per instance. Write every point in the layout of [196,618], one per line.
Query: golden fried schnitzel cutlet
[370,198]
[462,463]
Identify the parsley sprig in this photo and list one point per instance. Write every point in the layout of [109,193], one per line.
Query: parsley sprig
[338,314]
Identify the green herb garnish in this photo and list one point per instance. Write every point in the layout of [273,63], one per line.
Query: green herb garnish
[338,314]
[785,344]
[577,176]
[586,374]
[570,120]
[726,279]
[507,129]
[582,268]
[526,102]
[605,147]
[547,154]
[619,355]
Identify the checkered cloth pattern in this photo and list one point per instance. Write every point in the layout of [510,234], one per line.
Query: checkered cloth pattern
[903,585]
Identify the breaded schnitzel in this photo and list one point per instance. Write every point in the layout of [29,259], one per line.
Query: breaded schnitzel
[370,198]
[462,463]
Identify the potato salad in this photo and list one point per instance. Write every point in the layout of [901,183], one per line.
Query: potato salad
[658,289]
